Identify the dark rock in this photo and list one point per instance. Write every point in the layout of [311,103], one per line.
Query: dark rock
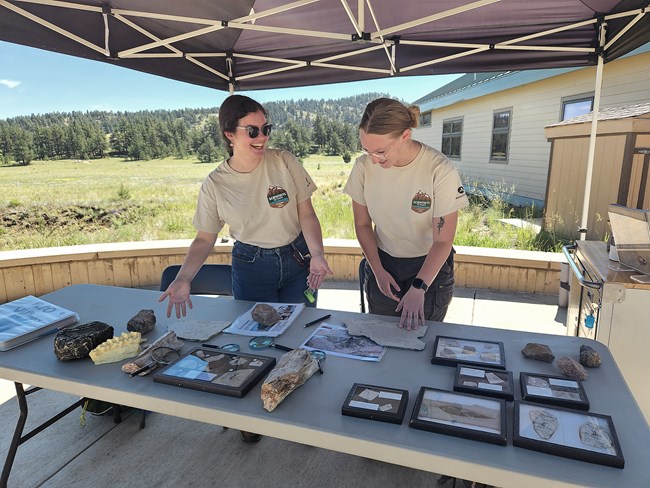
[538,352]
[571,368]
[143,322]
[589,357]
[265,315]
[77,342]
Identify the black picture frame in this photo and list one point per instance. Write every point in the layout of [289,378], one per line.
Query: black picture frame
[376,403]
[496,383]
[458,414]
[451,351]
[553,390]
[585,436]
[217,371]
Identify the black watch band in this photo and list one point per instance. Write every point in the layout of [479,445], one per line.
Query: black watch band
[419,284]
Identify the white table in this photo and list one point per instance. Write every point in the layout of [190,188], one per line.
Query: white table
[312,414]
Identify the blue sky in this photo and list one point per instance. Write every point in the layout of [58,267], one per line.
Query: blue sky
[37,81]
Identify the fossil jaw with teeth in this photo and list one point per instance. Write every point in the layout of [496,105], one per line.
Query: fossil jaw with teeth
[120,347]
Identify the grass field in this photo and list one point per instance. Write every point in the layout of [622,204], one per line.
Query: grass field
[60,203]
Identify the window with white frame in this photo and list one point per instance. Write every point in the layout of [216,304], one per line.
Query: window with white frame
[574,106]
[452,136]
[501,122]
[425,119]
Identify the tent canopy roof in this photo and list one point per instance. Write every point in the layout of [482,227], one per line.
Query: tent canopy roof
[259,44]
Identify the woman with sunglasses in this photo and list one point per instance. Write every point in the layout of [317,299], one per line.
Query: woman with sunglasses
[264,195]
[405,200]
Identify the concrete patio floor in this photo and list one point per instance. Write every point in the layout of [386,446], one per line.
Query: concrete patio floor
[173,452]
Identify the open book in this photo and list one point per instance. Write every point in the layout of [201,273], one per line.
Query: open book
[29,318]
[245,325]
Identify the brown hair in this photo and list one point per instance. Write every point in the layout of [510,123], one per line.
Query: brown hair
[234,108]
[387,116]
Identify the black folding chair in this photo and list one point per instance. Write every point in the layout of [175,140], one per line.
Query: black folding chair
[212,279]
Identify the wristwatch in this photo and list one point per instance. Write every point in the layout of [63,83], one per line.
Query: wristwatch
[419,284]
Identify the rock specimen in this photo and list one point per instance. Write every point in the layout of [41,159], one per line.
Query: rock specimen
[544,423]
[589,357]
[594,435]
[387,333]
[538,352]
[292,370]
[198,330]
[143,322]
[144,358]
[571,368]
[265,315]
[117,348]
[77,342]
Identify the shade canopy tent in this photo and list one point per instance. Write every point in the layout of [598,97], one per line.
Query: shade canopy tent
[260,44]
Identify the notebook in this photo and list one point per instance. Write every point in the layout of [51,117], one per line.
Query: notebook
[29,318]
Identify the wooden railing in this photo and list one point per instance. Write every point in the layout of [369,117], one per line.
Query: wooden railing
[140,264]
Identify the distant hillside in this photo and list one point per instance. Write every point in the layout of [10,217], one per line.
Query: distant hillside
[152,134]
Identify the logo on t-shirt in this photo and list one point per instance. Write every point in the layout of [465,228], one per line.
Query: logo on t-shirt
[421,202]
[277,196]
[461,192]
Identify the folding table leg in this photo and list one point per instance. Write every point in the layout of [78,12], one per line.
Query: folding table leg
[18,437]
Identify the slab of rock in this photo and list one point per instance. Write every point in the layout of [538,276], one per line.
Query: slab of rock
[538,352]
[265,315]
[593,435]
[571,368]
[544,423]
[77,342]
[292,370]
[589,357]
[198,330]
[144,358]
[144,321]
[386,333]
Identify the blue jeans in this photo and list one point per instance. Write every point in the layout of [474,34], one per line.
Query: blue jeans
[277,275]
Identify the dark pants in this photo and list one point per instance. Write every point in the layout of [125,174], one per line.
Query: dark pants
[404,271]
[277,275]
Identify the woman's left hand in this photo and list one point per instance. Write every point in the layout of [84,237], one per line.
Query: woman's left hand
[318,270]
[412,307]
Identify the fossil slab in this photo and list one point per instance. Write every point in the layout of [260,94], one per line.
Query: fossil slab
[144,321]
[544,423]
[198,330]
[387,333]
[293,369]
[594,435]
[144,358]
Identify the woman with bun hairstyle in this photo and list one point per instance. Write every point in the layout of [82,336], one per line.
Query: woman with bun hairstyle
[264,195]
[405,199]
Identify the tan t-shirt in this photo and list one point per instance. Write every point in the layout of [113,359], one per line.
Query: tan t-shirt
[260,207]
[404,201]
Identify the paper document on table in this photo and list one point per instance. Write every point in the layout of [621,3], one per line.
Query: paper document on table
[245,325]
[335,340]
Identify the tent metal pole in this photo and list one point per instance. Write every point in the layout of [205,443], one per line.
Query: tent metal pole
[592,140]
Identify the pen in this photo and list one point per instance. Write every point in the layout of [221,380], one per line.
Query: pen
[212,346]
[324,317]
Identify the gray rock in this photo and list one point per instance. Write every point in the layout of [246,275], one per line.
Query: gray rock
[265,315]
[589,357]
[571,368]
[544,423]
[594,435]
[144,321]
[538,352]
[387,333]
[77,342]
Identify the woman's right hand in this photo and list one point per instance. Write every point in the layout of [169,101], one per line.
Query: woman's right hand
[179,297]
[387,284]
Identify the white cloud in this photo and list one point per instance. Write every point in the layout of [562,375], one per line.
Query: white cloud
[10,83]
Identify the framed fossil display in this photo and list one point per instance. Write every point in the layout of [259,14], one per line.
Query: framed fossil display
[453,350]
[376,403]
[469,416]
[217,371]
[554,390]
[585,436]
[484,381]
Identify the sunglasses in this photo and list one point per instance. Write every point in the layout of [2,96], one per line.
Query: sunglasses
[254,131]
